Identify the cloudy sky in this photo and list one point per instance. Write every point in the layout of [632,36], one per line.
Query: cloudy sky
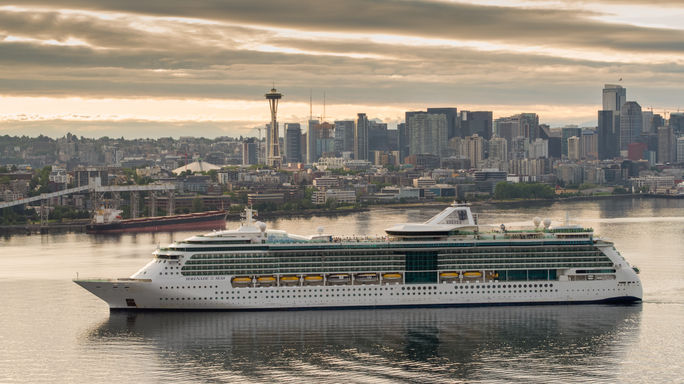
[177,67]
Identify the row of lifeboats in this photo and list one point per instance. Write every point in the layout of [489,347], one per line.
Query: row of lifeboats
[318,279]
[454,275]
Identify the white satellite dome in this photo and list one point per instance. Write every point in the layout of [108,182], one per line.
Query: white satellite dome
[547,223]
[537,220]
[261,225]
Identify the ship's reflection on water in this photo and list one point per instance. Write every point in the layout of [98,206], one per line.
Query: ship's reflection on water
[527,343]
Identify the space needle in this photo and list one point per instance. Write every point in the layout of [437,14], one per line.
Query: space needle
[273,157]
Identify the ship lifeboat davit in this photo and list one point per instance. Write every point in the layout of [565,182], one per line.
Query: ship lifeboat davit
[242,281]
[313,279]
[289,280]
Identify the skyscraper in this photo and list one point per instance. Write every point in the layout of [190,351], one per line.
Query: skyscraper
[567,132]
[631,123]
[608,135]
[344,136]
[427,133]
[361,137]
[475,122]
[614,96]
[293,142]
[451,119]
[666,145]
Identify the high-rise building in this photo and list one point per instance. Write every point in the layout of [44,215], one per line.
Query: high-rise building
[589,145]
[498,149]
[249,152]
[293,142]
[403,141]
[567,132]
[529,126]
[361,137]
[614,96]
[344,136]
[680,150]
[474,150]
[631,123]
[647,125]
[507,128]
[310,142]
[427,133]
[475,122]
[608,135]
[677,122]
[451,119]
[666,145]
[377,137]
[539,148]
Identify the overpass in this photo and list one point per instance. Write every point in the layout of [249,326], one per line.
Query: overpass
[94,191]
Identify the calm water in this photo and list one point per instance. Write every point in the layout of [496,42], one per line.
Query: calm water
[51,330]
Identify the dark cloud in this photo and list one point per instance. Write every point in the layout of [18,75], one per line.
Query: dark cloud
[569,28]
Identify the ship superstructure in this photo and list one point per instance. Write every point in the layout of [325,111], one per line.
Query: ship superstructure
[445,261]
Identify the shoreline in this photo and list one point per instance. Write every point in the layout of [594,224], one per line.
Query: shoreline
[80,226]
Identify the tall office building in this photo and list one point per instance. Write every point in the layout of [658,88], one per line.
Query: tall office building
[574,148]
[631,123]
[321,138]
[293,142]
[427,133]
[647,125]
[507,128]
[666,145]
[614,96]
[451,119]
[589,145]
[539,148]
[249,152]
[529,126]
[608,135]
[474,150]
[475,122]
[361,137]
[676,122]
[680,150]
[377,137]
[403,141]
[310,142]
[344,136]
[498,149]
[567,132]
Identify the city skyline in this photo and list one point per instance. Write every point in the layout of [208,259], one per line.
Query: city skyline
[97,68]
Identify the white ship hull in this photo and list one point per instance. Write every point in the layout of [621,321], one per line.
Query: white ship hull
[218,294]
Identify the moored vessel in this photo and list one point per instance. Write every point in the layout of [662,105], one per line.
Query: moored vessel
[107,220]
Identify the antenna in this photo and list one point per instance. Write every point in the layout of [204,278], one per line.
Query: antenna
[310,104]
[323,117]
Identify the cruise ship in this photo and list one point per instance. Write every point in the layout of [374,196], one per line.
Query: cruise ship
[449,260]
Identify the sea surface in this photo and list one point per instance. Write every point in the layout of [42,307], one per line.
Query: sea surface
[51,330]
